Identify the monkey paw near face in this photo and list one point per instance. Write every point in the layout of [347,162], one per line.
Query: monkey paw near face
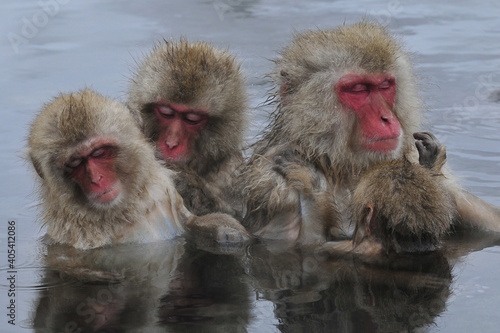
[429,148]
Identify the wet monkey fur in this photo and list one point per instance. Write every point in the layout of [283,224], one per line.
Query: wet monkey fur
[191,100]
[399,206]
[346,100]
[100,183]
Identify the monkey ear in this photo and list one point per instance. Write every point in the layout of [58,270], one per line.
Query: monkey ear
[37,166]
[369,211]
[362,229]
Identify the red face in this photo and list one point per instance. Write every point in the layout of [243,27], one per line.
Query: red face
[94,171]
[371,98]
[179,126]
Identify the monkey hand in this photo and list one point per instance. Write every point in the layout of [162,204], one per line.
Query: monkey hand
[219,227]
[298,174]
[428,148]
[283,161]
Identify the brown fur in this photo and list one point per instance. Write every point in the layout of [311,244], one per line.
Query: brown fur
[310,120]
[149,209]
[412,209]
[200,76]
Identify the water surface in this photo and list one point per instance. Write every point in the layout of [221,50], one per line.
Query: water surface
[174,287]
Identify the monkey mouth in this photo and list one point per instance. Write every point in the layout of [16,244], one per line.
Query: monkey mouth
[175,155]
[383,145]
[108,196]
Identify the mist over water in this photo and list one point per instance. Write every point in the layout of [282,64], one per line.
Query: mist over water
[57,46]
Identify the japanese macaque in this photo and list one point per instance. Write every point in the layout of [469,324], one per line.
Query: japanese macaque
[100,183]
[346,100]
[191,100]
[399,206]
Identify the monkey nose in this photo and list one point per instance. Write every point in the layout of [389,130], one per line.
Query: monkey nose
[387,119]
[96,179]
[171,144]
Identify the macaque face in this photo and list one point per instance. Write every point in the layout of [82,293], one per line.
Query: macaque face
[179,125]
[371,97]
[93,169]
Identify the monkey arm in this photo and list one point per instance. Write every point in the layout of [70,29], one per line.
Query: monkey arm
[288,199]
[273,205]
[211,193]
[475,211]
[219,227]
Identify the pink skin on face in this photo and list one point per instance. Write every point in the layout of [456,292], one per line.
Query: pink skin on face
[179,126]
[371,97]
[95,173]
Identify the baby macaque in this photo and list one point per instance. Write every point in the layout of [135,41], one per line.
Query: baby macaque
[399,206]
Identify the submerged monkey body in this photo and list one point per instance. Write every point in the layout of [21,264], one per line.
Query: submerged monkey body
[67,134]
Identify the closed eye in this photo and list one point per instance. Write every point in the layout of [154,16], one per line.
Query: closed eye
[98,152]
[74,163]
[384,85]
[359,88]
[193,118]
[104,152]
[165,111]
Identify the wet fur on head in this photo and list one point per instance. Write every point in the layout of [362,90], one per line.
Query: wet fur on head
[65,125]
[306,74]
[201,76]
[412,209]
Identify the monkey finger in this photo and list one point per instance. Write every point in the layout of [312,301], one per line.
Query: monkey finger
[427,155]
[422,149]
[427,138]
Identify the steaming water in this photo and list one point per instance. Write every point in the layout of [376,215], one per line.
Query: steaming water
[172,287]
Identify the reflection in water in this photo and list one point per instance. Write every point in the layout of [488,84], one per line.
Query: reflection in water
[207,295]
[112,289]
[175,286]
[160,287]
[316,293]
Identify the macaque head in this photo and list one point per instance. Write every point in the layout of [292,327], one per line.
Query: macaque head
[348,93]
[88,149]
[190,98]
[92,167]
[400,206]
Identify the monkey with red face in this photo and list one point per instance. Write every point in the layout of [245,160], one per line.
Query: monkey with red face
[347,100]
[100,183]
[190,99]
